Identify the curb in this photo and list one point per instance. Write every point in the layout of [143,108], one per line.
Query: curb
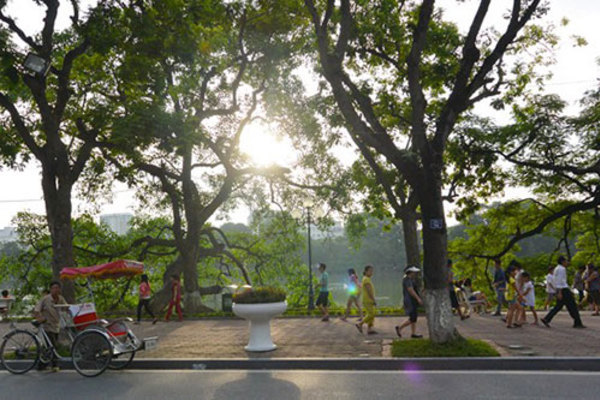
[588,364]
[379,364]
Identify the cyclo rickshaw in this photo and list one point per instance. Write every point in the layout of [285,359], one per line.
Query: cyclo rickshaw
[96,344]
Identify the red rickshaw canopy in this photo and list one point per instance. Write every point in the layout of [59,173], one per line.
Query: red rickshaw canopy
[115,269]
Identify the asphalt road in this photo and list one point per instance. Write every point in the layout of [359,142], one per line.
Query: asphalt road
[291,385]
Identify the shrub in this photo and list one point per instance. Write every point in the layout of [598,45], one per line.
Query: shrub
[264,294]
[457,348]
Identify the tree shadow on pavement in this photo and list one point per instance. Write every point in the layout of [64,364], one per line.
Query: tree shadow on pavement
[254,386]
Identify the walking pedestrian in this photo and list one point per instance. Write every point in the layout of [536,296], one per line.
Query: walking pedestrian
[516,265]
[550,289]
[579,284]
[175,298]
[353,294]
[528,297]
[452,291]
[145,293]
[564,297]
[323,299]
[499,285]
[593,282]
[412,300]
[368,298]
[514,299]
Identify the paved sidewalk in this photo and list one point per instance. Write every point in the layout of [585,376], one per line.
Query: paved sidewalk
[311,338]
[559,340]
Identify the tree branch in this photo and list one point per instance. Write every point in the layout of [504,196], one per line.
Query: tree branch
[417,98]
[14,28]
[539,228]
[63,91]
[20,126]
[48,30]
[85,151]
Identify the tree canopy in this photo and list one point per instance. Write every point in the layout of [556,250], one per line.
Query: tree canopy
[157,94]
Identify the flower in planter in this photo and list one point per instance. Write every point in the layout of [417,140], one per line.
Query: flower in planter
[265,294]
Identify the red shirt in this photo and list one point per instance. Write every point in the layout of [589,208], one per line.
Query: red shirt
[176,291]
[144,290]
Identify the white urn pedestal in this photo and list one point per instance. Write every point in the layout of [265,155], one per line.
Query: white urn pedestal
[259,317]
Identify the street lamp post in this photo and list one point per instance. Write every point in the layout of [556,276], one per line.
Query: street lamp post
[297,214]
[311,292]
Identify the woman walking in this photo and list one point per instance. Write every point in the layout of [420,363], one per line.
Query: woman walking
[412,300]
[593,282]
[368,297]
[144,300]
[514,299]
[354,287]
[175,298]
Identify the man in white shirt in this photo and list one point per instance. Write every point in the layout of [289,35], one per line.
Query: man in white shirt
[564,296]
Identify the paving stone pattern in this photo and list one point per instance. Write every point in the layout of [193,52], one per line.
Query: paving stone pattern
[312,338]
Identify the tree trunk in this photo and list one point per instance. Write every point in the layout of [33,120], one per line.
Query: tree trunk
[185,266]
[411,239]
[440,321]
[192,303]
[192,300]
[58,215]
[487,276]
[161,298]
[437,300]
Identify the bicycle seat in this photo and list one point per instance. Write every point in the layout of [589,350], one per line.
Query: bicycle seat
[36,323]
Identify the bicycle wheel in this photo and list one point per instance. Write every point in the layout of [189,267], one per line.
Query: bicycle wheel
[121,361]
[91,352]
[20,351]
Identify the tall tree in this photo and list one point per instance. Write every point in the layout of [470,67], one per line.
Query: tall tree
[438,74]
[51,117]
[191,76]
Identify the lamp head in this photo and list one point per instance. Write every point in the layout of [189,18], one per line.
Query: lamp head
[308,203]
[296,214]
[318,212]
[36,64]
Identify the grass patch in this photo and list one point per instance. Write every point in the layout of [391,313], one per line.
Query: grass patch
[456,348]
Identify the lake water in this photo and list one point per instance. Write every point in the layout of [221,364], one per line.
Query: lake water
[387,282]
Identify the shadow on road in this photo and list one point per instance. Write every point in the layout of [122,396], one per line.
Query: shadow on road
[252,386]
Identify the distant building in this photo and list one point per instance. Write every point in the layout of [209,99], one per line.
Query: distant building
[118,223]
[8,234]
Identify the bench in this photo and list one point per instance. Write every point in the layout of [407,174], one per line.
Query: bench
[468,306]
[477,305]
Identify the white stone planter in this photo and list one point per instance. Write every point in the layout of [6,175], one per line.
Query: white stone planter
[259,317]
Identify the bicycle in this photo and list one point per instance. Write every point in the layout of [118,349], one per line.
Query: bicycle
[23,349]
[96,344]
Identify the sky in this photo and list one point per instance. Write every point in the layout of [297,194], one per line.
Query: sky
[576,70]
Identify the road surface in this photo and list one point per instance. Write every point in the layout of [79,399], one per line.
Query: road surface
[291,385]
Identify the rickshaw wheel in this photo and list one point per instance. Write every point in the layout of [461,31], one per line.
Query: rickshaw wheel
[121,361]
[91,352]
[20,351]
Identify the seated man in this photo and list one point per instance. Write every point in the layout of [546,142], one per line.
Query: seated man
[45,313]
[475,297]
